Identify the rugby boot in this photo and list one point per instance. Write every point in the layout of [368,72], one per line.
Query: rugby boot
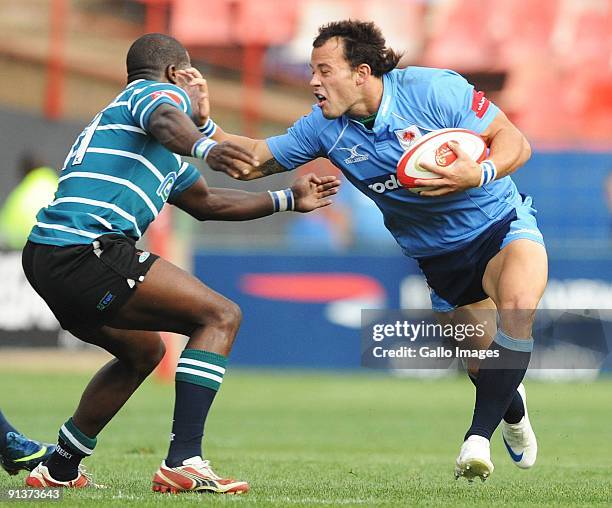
[195,475]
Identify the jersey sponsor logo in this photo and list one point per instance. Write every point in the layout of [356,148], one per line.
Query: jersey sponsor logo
[385,183]
[355,155]
[163,191]
[445,155]
[480,103]
[165,93]
[408,136]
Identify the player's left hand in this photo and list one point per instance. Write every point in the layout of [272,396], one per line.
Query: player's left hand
[462,175]
[311,191]
[194,84]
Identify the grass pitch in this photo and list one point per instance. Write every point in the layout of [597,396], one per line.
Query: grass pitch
[314,439]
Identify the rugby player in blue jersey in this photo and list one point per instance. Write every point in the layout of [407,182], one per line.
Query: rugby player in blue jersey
[82,259]
[474,236]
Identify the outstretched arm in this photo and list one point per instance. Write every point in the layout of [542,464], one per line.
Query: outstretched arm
[177,132]
[208,203]
[192,81]
[268,165]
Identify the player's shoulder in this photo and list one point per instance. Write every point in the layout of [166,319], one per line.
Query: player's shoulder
[148,89]
[425,77]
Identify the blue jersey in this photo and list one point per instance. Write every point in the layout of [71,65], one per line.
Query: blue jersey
[117,177]
[415,101]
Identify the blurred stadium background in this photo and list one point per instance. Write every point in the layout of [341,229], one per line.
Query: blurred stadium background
[302,280]
[318,438]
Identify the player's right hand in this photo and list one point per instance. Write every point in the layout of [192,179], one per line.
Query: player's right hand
[232,159]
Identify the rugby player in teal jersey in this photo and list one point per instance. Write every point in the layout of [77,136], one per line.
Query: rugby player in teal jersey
[473,234]
[82,259]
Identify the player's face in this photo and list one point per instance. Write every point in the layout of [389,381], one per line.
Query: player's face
[333,80]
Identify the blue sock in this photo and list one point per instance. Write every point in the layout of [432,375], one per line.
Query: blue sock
[516,409]
[5,428]
[198,378]
[498,378]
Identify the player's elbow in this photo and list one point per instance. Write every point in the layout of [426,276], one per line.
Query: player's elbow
[526,150]
[209,208]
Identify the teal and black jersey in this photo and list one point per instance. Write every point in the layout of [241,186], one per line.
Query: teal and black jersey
[117,177]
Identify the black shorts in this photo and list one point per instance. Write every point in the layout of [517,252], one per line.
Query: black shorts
[456,276]
[86,285]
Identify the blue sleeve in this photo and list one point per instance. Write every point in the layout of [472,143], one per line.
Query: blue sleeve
[151,96]
[188,175]
[301,142]
[457,104]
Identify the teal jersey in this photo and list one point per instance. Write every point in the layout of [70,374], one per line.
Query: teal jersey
[117,176]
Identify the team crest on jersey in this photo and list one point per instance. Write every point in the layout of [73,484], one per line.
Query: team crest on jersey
[355,155]
[408,136]
[163,191]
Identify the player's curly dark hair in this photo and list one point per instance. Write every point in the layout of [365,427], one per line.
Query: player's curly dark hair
[151,54]
[363,43]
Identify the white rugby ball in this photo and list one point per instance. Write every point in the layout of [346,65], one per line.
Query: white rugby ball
[433,148]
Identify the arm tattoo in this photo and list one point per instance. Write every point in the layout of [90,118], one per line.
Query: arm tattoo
[270,167]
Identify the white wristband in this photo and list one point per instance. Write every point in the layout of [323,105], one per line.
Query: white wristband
[282,200]
[209,128]
[202,147]
[488,172]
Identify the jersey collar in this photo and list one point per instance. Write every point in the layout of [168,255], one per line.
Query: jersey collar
[385,106]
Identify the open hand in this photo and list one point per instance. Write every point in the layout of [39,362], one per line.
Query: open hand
[463,174]
[311,191]
[196,88]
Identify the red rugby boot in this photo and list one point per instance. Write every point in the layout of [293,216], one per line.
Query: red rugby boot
[195,475]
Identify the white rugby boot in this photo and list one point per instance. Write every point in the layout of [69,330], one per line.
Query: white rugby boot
[474,459]
[520,439]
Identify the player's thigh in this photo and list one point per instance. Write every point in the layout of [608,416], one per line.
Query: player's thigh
[138,347]
[478,324]
[516,279]
[172,300]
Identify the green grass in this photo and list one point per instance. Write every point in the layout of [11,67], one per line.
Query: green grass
[312,439]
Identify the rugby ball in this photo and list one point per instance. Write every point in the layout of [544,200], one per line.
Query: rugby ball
[433,148]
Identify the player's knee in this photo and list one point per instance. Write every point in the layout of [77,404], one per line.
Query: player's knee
[519,302]
[228,316]
[149,357]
